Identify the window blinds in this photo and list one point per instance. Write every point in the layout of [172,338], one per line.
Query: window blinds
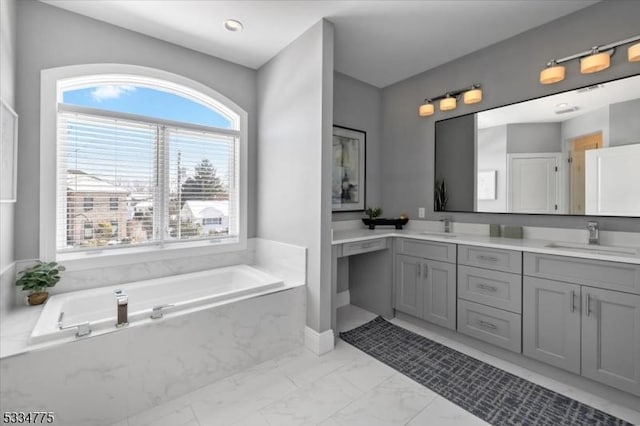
[124,182]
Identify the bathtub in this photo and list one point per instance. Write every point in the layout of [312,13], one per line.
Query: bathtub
[95,309]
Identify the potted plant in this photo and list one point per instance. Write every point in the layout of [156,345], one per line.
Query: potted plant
[372,212]
[38,278]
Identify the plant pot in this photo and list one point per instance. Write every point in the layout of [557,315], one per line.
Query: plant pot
[37,298]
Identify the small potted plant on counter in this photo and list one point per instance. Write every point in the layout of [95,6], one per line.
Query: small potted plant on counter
[37,279]
[373,213]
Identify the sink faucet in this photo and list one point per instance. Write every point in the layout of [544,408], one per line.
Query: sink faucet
[594,237]
[122,301]
[447,224]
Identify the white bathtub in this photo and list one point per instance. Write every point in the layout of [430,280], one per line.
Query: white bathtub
[186,292]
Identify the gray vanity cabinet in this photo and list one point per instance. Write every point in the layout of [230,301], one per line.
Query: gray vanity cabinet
[409,287]
[439,293]
[590,331]
[425,281]
[611,338]
[551,322]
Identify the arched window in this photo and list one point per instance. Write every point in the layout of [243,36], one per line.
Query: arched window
[150,162]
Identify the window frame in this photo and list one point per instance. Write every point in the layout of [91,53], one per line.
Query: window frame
[53,82]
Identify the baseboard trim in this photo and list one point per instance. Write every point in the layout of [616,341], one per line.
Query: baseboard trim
[318,343]
[343,299]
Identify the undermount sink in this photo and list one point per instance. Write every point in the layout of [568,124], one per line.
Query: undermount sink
[439,234]
[596,248]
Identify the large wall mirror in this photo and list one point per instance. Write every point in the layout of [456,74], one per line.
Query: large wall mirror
[572,153]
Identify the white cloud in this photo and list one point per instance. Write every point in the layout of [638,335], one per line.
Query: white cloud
[110,92]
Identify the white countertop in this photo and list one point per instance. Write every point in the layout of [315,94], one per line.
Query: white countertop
[528,245]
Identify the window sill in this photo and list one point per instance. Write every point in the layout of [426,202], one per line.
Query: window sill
[80,261]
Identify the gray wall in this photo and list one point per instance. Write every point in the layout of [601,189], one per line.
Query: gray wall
[624,124]
[51,37]
[7,93]
[358,105]
[455,157]
[295,104]
[524,138]
[509,73]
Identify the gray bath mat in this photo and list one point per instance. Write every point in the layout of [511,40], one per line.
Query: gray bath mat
[492,394]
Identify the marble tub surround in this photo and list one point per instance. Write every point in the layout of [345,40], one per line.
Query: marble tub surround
[535,240]
[7,282]
[284,261]
[140,367]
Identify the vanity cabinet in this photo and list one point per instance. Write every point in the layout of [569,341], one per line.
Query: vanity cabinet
[587,330]
[490,295]
[551,322]
[426,287]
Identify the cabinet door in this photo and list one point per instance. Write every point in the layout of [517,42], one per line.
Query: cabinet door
[611,338]
[440,293]
[551,322]
[409,286]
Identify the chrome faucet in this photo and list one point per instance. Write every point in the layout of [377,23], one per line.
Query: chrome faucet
[594,235]
[122,301]
[447,224]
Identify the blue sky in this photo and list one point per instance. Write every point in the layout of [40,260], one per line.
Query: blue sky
[145,101]
[117,155]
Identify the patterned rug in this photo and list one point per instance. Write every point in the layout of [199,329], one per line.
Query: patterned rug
[492,394]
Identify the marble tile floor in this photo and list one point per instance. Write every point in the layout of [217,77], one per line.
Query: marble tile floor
[343,387]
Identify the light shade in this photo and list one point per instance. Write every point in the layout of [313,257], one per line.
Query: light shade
[634,53]
[425,109]
[472,96]
[594,63]
[552,75]
[447,104]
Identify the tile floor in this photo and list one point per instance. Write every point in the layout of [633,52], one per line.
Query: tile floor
[343,387]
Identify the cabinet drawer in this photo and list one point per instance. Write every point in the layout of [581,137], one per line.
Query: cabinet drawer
[444,252]
[497,259]
[492,325]
[498,289]
[596,273]
[358,247]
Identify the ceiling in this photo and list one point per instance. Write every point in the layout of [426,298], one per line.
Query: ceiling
[544,110]
[379,42]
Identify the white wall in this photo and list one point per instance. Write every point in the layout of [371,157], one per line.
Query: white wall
[358,105]
[492,155]
[64,38]
[7,93]
[624,125]
[295,105]
[585,124]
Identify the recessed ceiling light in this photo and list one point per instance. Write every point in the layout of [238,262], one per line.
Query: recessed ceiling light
[562,105]
[233,25]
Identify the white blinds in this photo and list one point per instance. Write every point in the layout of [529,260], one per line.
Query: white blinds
[124,181]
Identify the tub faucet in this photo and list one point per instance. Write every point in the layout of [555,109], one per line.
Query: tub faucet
[122,301]
[594,235]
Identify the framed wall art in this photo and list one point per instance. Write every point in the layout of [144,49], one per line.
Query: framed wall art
[349,159]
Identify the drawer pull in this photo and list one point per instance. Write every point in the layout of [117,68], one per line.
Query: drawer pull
[487,287]
[488,325]
[418,268]
[572,297]
[487,258]
[426,270]
[589,304]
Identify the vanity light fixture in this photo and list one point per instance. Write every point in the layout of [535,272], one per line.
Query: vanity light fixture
[449,101]
[596,59]
[633,54]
